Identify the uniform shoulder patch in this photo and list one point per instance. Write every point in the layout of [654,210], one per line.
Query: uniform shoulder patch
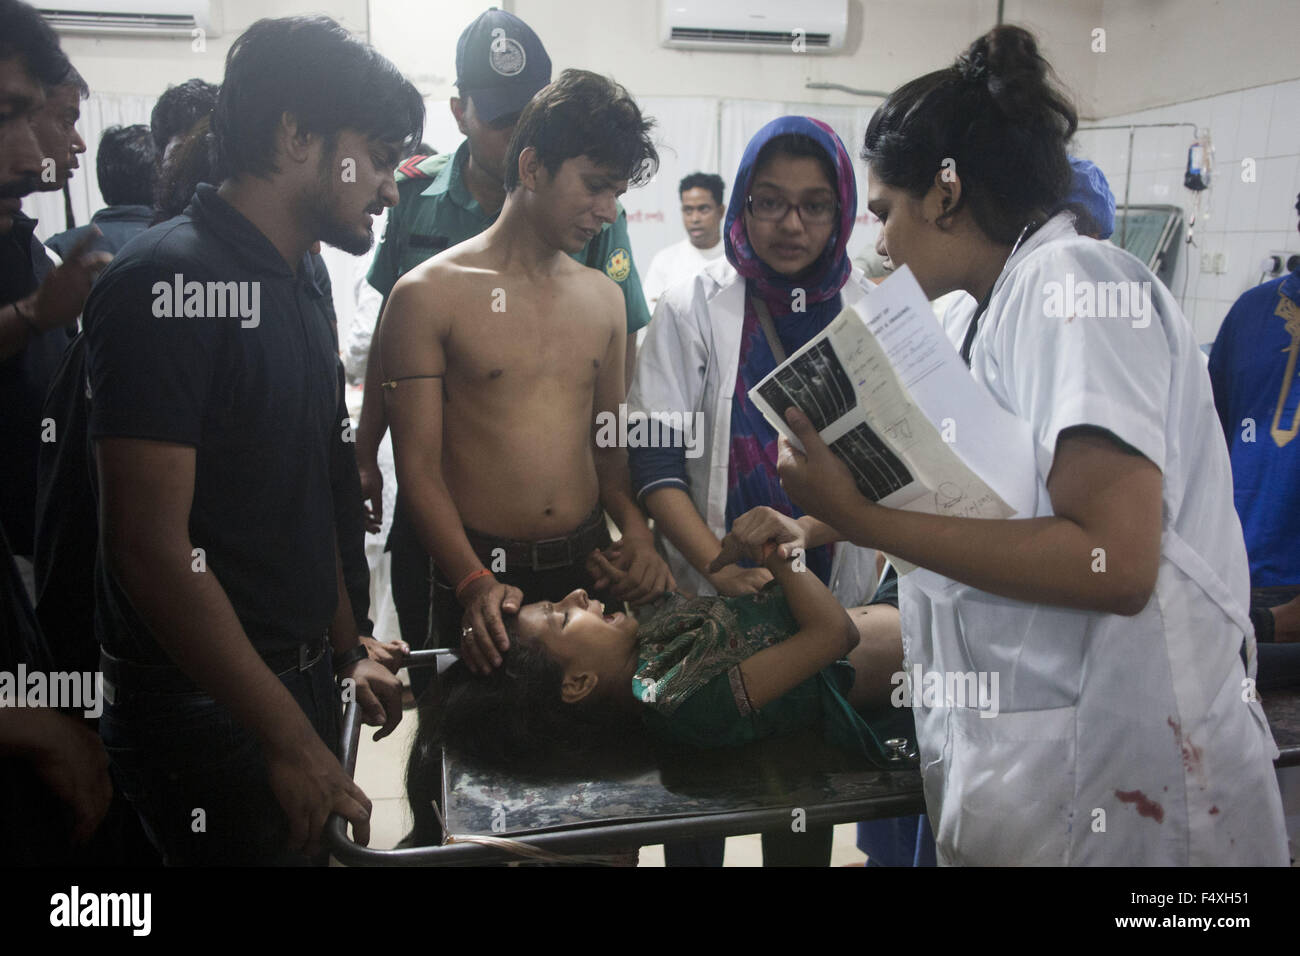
[618,264]
[410,168]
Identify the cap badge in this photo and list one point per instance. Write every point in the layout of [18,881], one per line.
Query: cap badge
[505,55]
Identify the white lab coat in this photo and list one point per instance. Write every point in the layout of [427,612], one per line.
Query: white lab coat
[689,363]
[1120,740]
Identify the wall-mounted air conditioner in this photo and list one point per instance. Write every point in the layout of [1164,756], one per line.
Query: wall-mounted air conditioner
[178,18]
[754,26]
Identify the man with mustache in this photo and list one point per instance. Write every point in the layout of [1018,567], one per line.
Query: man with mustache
[56,131]
[42,301]
[54,784]
[222,445]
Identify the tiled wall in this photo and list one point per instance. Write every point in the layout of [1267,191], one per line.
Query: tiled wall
[1242,220]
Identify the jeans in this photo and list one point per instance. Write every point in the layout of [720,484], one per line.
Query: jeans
[199,780]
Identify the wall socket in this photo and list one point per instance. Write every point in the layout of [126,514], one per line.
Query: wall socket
[1277,263]
[1215,263]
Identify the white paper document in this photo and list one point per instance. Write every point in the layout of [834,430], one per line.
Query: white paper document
[889,394]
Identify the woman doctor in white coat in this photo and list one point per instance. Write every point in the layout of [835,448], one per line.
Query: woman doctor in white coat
[785,277]
[1115,618]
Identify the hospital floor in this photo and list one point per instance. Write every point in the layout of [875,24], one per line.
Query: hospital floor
[381,768]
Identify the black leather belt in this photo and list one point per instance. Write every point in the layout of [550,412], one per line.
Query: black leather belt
[545,555]
[123,676]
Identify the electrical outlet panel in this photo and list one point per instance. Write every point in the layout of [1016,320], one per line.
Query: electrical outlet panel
[1276,263]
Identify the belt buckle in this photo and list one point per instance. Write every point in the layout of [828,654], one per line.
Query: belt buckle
[543,565]
[305,656]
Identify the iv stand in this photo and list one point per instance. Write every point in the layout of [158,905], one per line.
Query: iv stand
[1128,169]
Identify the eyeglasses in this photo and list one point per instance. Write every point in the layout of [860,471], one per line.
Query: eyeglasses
[818,212]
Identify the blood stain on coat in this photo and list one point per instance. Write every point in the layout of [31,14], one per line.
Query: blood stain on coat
[1146,807]
[1191,753]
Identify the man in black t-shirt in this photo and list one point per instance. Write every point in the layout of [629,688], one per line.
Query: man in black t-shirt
[220,434]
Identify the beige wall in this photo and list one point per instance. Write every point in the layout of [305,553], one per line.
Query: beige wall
[149,66]
[1171,51]
[1157,51]
[889,42]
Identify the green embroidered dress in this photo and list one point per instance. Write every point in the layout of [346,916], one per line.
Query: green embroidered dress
[689,678]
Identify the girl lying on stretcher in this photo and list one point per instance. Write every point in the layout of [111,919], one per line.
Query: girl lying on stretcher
[696,671]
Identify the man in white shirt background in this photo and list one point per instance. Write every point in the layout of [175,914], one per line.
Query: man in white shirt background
[702,212]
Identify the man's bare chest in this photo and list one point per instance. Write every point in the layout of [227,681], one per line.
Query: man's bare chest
[525,338]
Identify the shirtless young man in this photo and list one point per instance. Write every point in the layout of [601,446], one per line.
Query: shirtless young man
[497,355]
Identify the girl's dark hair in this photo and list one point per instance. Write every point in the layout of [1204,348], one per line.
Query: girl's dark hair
[584,114]
[998,115]
[314,70]
[189,164]
[515,719]
[796,145]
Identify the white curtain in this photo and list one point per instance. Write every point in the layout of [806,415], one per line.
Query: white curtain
[686,135]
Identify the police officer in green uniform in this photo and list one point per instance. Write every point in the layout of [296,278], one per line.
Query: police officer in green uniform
[446,199]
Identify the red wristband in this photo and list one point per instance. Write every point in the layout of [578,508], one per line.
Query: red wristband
[471,578]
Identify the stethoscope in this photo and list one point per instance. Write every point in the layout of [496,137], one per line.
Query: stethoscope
[969,341]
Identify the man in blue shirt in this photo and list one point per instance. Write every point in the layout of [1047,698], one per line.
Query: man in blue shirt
[126,167]
[1255,372]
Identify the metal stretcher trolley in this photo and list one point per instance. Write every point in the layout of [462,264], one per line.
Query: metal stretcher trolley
[640,800]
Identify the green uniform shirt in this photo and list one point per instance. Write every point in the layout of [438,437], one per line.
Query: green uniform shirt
[436,212]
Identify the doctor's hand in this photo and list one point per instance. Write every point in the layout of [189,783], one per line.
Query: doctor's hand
[755,534]
[815,479]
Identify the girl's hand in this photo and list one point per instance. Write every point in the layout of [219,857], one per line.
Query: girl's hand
[815,479]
